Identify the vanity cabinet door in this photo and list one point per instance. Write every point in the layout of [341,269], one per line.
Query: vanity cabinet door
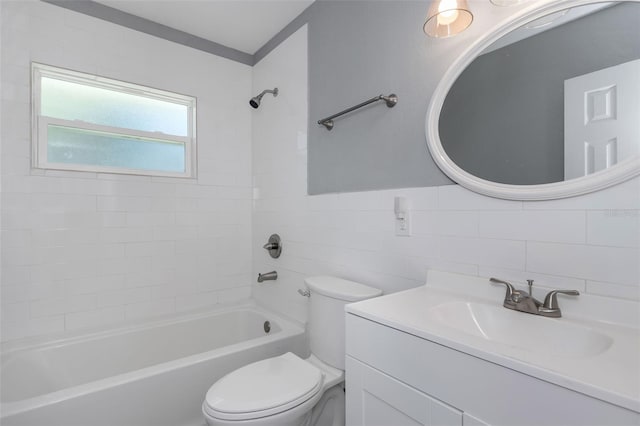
[492,393]
[376,399]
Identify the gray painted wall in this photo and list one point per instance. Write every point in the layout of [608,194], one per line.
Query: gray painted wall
[358,50]
[503,118]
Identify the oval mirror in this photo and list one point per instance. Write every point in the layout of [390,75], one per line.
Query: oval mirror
[546,105]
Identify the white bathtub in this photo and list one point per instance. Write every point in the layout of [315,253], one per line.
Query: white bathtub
[153,374]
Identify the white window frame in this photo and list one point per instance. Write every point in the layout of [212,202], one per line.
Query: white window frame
[40,123]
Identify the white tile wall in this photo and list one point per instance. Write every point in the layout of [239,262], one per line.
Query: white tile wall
[93,249]
[589,243]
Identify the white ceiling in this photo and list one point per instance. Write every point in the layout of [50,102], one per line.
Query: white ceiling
[245,25]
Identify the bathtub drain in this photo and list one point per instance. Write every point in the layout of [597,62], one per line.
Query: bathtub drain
[267,326]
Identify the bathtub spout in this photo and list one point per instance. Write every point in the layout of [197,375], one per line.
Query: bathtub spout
[273,275]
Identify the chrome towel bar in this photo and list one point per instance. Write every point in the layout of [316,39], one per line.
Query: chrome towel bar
[390,100]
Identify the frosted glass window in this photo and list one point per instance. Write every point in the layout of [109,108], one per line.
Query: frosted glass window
[79,146]
[73,101]
[90,123]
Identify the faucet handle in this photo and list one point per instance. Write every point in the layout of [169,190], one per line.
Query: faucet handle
[305,293]
[511,291]
[551,300]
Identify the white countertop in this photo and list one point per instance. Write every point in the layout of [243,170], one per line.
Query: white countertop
[612,376]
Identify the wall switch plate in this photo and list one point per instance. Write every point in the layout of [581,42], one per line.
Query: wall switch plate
[403,226]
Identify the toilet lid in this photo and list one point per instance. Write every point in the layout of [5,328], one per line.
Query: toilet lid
[263,388]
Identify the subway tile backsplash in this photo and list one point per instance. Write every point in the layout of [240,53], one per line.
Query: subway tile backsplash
[556,247]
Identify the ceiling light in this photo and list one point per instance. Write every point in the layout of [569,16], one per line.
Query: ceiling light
[447,18]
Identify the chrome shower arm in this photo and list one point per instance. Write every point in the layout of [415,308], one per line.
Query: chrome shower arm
[274,91]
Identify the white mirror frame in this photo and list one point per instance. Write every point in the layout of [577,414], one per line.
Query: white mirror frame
[622,171]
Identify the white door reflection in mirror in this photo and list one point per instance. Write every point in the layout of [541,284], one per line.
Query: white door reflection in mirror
[601,119]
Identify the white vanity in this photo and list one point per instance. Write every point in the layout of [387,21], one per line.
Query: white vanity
[448,353]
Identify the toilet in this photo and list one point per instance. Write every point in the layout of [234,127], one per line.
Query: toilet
[287,390]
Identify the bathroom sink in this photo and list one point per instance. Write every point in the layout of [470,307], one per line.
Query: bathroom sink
[588,350]
[520,330]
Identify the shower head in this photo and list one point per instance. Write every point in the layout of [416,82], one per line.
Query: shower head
[255,101]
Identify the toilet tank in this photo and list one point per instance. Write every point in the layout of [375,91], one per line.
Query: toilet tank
[328,296]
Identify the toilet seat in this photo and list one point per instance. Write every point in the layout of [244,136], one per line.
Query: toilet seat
[264,388]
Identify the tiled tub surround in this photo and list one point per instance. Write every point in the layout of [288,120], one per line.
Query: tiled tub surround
[90,249]
[133,376]
[590,243]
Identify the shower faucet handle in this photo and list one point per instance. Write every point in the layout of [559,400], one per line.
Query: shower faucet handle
[274,246]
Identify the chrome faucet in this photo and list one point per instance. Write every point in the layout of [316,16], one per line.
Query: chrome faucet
[519,300]
[267,276]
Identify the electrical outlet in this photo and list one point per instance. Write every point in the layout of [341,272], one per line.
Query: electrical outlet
[403,226]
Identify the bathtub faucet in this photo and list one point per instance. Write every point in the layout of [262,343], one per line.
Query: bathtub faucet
[273,275]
